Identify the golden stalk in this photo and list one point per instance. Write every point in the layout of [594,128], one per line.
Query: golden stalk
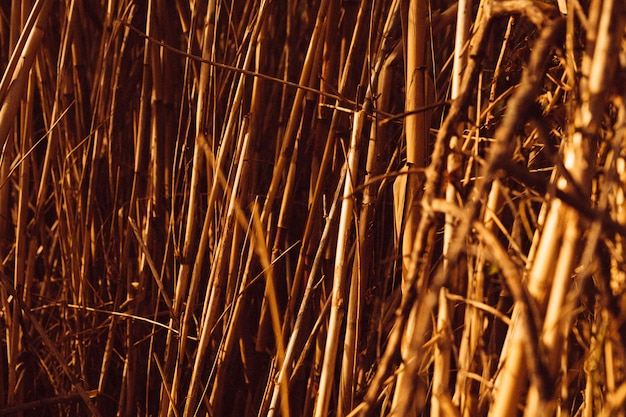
[340,283]
[191,224]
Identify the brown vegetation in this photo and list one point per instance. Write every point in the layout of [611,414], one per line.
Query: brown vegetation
[312,208]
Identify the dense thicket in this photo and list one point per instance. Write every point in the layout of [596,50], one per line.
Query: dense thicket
[273,207]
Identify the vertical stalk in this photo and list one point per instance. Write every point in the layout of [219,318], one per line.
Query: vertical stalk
[289,136]
[386,55]
[17,332]
[416,127]
[189,272]
[441,369]
[579,160]
[216,282]
[555,258]
[16,89]
[340,284]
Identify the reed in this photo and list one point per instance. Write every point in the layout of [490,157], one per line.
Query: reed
[314,208]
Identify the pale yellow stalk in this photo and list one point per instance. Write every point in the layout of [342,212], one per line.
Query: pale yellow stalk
[416,127]
[441,359]
[340,278]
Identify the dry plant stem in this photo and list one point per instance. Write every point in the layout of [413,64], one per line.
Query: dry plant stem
[216,276]
[416,131]
[94,226]
[386,55]
[498,68]
[283,158]
[249,73]
[285,212]
[61,64]
[5,171]
[189,265]
[481,306]
[345,87]
[473,329]
[556,318]
[198,260]
[15,78]
[196,268]
[15,343]
[511,377]
[294,118]
[32,25]
[190,231]
[340,276]
[579,160]
[106,102]
[225,144]
[463,23]
[38,404]
[151,265]
[109,354]
[215,281]
[184,272]
[391,27]
[13,89]
[523,334]
[49,345]
[225,353]
[127,389]
[354,305]
[441,355]
[284,372]
[264,255]
[163,122]
[433,181]
[613,359]
[416,124]
[522,98]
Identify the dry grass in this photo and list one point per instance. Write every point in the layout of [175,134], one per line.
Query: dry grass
[313,208]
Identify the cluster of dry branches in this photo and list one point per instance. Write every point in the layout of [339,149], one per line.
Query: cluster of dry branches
[312,208]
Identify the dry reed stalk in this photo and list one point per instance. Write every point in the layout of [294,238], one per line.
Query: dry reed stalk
[283,159]
[441,354]
[351,367]
[286,149]
[191,270]
[212,300]
[347,86]
[418,258]
[340,284]
[16,87]
[181,226]
[416,127]
[544,275]
[385,48]
[284,373]
[190,234]
[469,352]
[579,161]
